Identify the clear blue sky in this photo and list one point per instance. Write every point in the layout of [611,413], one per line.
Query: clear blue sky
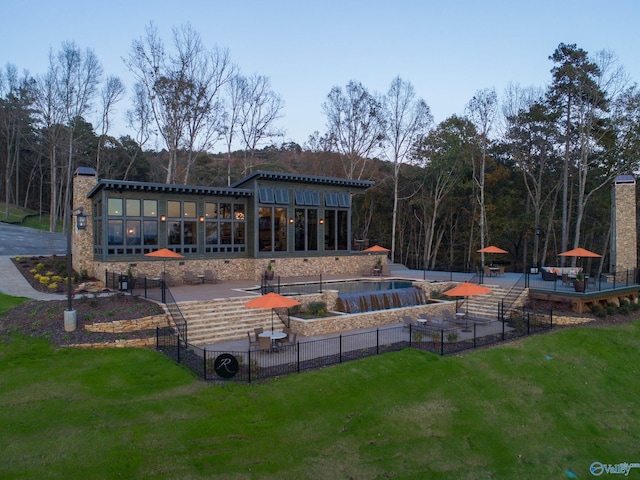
[447,49]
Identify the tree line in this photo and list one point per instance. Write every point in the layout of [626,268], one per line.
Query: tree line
[530,171]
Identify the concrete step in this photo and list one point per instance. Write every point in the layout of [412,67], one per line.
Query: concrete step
[223,320]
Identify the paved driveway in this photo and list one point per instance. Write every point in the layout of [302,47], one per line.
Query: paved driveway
[17,240]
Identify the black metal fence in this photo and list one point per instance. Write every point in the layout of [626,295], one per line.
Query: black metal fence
[249,365]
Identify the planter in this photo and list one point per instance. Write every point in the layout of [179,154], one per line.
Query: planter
[268,275]
[579,285]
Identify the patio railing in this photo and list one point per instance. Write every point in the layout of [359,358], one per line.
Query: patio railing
[249,365]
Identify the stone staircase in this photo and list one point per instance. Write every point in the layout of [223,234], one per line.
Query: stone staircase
[486,306]
[225,319]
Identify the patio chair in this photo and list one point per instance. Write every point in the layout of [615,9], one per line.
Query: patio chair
[265,343]
[168,279]
[591,280]
[189,277]
[289,341]
[252,343]
[258,331]
[287,330]
[487,271]
[209,277]
[501,271]
[566,281]
[407,322]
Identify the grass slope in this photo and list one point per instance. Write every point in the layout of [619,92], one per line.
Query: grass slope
[530,409]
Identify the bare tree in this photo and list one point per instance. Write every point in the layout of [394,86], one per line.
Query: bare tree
[231,115]
[139,119]
[182,88]
[355,126]
[259,110]
[16,101]
[482,110]
[77,75]
[407,119]
[112,92]
[50,118]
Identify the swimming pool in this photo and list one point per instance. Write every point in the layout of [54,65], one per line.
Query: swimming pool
[363,295]
[344,286]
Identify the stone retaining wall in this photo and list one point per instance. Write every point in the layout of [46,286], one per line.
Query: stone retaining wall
[125,326]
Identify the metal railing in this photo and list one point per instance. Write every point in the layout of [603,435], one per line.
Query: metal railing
[153,289]
[592,282]
[249,365]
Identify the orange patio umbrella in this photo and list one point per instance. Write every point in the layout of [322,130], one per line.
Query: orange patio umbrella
[491,249]
[376,249]
[579,252]
[272,300]
[163,253]
[467,290]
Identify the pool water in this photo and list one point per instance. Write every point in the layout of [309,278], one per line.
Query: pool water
[345,287]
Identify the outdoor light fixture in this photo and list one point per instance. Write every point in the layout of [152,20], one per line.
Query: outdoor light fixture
[70,319]
[163,218]
[322,221]
[291,220]
[201,219]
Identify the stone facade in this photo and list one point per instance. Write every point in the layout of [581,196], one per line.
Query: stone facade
[624,236]
[340,263]
[82,240]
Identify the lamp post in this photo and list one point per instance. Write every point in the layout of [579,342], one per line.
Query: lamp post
[70,320]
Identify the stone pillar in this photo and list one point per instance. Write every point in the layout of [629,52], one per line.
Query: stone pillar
[624,234]
[82,240]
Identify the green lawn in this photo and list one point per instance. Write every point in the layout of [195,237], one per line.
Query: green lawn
[529,409]
[26,218]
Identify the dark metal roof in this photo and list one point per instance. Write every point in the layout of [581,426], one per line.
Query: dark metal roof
[122,185]
[86,171]
[293,177]
[625,179]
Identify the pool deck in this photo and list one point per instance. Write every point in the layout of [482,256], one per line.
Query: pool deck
[237,288]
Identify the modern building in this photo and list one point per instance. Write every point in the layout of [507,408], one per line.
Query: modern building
[301,224]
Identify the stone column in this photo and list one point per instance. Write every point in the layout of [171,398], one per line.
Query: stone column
[624,234]
[82,240]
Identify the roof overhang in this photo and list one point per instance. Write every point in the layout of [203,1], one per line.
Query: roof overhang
[122,186]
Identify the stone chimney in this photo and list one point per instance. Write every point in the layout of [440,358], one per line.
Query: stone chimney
[82,240]
[624,234]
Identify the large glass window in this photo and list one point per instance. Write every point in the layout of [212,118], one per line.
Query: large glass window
[224,227]
[306,229]
[336,229]
[272,229]
[182,227]
[132,226]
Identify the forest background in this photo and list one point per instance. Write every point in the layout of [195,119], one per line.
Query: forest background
[530,170]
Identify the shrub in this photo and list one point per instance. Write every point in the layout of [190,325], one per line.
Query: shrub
[317,307]
[596,309]
[44,280]
[33,271]
[40,267]
[611,309]
[56,278]
[53,286]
